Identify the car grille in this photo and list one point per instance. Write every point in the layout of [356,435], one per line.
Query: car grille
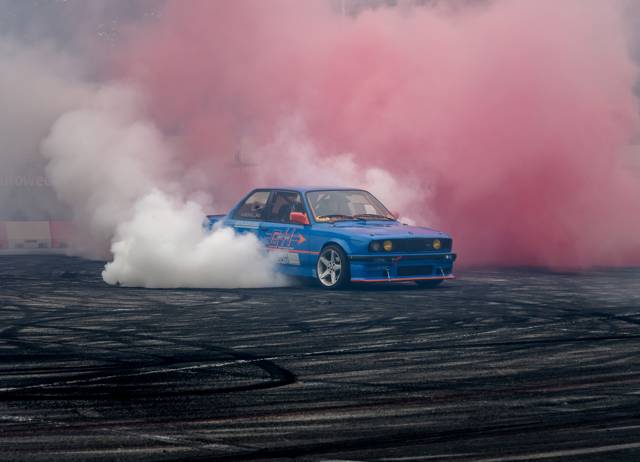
[415,270]
[419,245]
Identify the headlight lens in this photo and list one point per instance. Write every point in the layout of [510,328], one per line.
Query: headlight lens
[375,246]
[388,246]
[437,245]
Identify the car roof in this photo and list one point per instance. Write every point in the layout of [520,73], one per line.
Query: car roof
[304,189]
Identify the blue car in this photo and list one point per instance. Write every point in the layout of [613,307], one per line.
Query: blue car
[340,236]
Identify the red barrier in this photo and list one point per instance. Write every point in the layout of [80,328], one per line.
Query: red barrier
[4,240]
[61,232]
[35,235]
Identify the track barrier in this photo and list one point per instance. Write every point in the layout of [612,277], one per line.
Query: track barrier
[37,236]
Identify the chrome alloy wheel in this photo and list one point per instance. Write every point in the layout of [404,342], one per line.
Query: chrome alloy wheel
[329,267]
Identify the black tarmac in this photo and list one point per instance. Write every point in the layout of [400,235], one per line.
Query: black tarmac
[500,365]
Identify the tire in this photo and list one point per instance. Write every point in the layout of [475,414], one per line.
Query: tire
[430,283]
[332,268]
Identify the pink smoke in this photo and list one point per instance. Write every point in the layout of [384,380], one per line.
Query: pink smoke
[512,115]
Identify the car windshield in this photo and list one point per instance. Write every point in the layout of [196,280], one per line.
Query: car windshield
[346,205]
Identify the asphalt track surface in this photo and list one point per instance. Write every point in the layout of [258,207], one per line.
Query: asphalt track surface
[500,365]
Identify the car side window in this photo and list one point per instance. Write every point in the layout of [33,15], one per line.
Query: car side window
[282,204]
[253,207]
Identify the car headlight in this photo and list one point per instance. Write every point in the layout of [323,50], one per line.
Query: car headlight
[375,246]
[388,246]
[437,245]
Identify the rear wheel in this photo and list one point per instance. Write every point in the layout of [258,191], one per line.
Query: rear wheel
[430,283]
[332,268]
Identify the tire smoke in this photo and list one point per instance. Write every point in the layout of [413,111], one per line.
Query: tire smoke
[117,173]
[511,117]
[509,124]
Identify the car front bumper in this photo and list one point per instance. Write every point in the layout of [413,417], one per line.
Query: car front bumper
[403,267]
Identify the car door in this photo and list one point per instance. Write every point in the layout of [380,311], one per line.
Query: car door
[289,240]
[249,214]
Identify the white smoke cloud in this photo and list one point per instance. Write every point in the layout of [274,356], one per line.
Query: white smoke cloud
[115,170]
[103,157]
[162,245]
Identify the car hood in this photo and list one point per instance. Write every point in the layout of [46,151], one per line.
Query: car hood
[383,229]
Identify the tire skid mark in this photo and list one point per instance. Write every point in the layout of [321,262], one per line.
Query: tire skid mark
[377,372]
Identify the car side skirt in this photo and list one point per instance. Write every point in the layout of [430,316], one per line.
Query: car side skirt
[284,249]
[406,279]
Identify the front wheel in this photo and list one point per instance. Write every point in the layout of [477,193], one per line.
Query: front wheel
[332,268]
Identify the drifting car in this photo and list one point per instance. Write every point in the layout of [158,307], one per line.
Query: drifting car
[340,236]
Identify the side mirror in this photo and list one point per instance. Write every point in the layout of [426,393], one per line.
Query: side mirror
[300,218]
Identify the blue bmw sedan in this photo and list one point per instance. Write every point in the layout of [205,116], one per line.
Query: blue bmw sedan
[340,236]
